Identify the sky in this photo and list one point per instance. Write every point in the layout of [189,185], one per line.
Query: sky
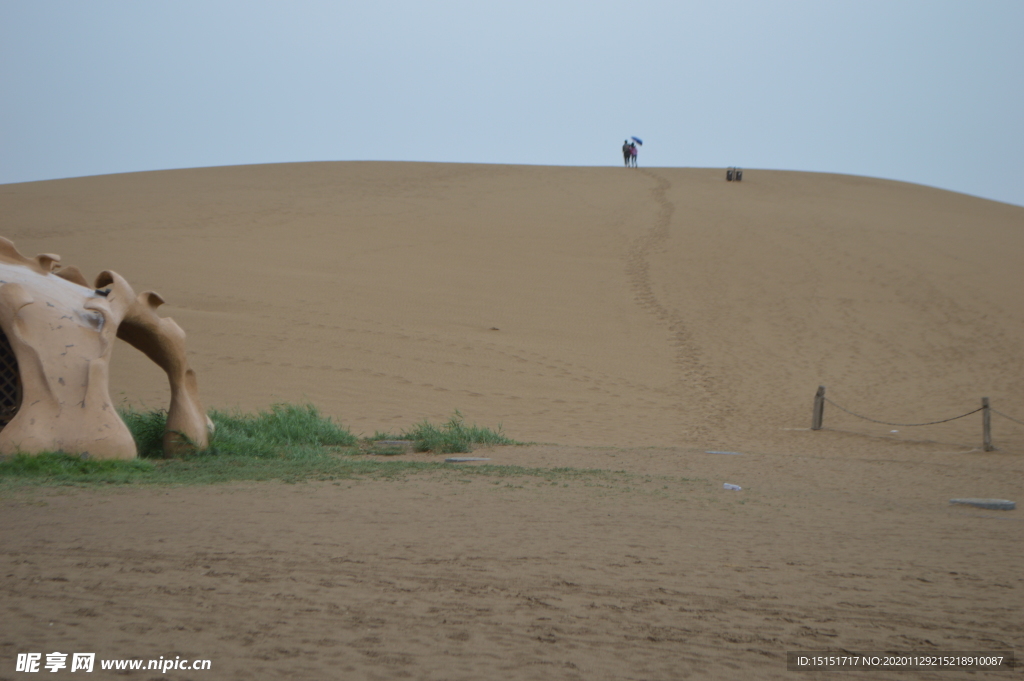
[930,92]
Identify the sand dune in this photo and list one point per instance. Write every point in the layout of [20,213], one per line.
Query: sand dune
[591,306]
[640,320]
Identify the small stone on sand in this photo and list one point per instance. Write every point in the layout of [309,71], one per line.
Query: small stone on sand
[994,504]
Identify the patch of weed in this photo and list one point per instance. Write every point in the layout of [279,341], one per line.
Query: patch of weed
[267,433]
[147,427]
[454,436]
[262,434]
[288,443]
[60,468]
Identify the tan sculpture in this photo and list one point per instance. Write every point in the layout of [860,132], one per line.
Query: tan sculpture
[54,393]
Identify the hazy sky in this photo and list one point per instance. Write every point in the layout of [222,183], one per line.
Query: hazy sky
[929,92]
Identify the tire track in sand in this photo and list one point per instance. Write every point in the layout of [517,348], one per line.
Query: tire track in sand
[695,390]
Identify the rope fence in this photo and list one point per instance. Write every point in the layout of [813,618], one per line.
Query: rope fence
[1008,417]
[985,409]
[905,425]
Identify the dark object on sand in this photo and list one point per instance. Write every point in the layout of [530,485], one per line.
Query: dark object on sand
[734,174]
[993,504]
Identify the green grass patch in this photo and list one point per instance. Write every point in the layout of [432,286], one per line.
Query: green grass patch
[295,444]
[294,466]
[453,436]
[266,433]
[60,467]
[147,427]
[285,426]
[288,442]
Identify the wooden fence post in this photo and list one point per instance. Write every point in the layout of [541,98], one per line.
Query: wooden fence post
[986,425]
[819,408]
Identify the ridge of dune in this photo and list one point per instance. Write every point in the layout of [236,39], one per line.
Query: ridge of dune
[590,306]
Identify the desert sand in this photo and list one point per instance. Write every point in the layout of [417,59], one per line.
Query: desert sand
[621,320]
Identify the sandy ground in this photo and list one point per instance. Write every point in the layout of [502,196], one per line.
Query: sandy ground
[635,319]
[661,574]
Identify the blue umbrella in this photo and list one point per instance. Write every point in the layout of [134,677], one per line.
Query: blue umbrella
[638,141]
